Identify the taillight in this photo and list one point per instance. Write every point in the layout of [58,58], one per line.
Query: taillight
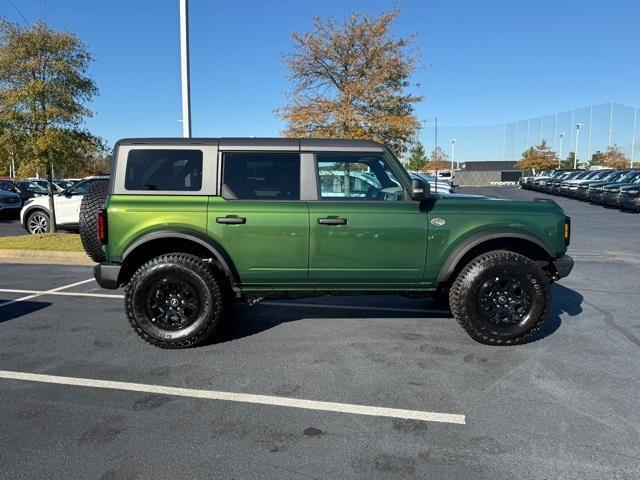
[102,227]
[567,231]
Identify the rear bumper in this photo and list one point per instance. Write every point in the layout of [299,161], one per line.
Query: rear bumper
[562,266]
[106,274]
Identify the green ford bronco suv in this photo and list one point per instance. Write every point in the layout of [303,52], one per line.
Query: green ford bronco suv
[189,225]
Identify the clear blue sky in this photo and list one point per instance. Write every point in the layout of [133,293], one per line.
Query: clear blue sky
[485,62]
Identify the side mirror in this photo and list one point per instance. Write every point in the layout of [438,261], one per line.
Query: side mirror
[64,193]
[419,190]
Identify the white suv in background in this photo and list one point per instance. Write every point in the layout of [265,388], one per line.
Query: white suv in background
[35,215]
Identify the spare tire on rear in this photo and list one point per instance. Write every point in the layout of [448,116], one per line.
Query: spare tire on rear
[92,203]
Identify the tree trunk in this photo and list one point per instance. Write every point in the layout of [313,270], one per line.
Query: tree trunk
[52,204]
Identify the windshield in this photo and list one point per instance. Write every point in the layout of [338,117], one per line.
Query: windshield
[628,177]
[34,187]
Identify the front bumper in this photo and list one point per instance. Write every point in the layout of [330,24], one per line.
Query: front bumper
[562,266]
[630,203]
[611,198]
[107,274]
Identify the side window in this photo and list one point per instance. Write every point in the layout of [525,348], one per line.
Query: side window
[6,187]
[261,176]
[164,170]
[81,187]
[357,177]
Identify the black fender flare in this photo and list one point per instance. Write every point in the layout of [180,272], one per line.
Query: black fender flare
[217,251]
[465,246]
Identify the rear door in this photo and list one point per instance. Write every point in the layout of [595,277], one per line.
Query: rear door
[259,218]
[364,231]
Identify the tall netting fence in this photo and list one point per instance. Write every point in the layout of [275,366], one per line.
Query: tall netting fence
[584,130]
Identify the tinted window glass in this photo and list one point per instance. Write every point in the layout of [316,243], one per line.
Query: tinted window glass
[261,176]
[357,177]
[7,187]
[170,170]
[81,188]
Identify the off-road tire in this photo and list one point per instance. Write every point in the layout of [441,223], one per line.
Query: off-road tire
[92,202]
[465,303]
[178,267]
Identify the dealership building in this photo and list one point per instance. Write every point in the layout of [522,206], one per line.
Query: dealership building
[483,173]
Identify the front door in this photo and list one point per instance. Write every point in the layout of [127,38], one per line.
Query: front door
[363,229]
[260,220]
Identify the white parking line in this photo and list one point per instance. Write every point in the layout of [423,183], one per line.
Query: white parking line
[45,292]
[241,397]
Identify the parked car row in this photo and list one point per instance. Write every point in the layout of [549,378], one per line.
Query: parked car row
[35,216]
[440,186]
[618,188]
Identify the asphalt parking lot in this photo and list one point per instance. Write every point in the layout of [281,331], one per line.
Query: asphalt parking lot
[10,225]
[563,406]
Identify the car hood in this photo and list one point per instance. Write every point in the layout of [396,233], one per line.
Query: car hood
[625,184]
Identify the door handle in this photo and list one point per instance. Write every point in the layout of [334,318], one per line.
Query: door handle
[231,220]
[332,221]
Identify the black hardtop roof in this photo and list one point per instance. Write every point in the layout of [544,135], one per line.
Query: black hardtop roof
[254,142]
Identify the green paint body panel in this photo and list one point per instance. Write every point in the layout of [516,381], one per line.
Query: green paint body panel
[271,247]
[383,246]
[130,217]
[468,216]
[381,243]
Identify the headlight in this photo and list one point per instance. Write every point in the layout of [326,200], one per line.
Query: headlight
[28,201]
[633,192]
[37,195]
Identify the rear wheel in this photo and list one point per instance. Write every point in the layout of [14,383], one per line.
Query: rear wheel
[38,223]
[173,301]
[501,298]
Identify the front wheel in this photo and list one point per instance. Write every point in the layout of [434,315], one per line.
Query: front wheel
[501,298]
[38,223]
[173,301]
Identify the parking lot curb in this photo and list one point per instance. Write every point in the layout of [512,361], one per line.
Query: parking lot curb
[44,256]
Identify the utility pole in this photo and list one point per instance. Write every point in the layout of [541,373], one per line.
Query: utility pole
[560,153]
[453,153]
[435,155]
[184,70]
[575,156]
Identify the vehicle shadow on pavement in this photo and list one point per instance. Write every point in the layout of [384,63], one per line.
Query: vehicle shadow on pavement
[246,321]
[566,301]
[19,309]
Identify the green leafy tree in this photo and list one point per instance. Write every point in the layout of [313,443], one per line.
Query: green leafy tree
[44,89]
[596,159]
[569,161]
[418,159]
[351,79]
[539,157]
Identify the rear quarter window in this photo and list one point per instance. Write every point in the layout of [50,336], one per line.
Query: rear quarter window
[164,170]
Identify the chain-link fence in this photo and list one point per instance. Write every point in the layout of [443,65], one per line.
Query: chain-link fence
[584,130]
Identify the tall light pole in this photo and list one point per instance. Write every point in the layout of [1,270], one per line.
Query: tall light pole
[453,152]
[184,69]
[560,154]
[575,155]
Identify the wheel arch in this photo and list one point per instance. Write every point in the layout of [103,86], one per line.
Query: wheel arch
[469,248]
[30,210]
[160,242]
